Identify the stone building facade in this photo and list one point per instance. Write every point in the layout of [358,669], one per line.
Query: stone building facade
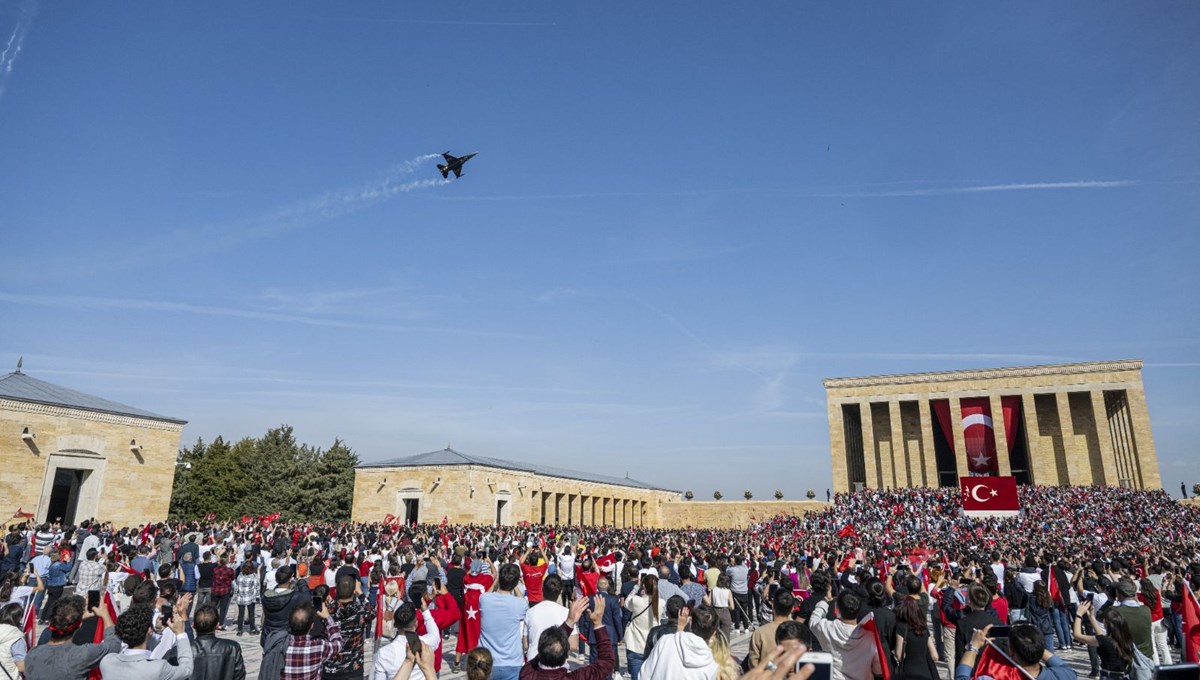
[1079,424]
[469,489]
[72,456]
[472,489]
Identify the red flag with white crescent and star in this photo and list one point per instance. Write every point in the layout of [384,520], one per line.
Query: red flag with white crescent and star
[979,437]
[989,494]
[474,585]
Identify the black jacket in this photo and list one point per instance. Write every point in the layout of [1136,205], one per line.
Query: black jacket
[277,606]
[216,659]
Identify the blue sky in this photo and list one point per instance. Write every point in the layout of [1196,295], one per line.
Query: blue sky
[681,218]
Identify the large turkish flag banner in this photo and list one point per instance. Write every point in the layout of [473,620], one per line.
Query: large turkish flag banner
[990,494]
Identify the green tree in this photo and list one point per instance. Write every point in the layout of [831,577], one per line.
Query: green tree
[273,473]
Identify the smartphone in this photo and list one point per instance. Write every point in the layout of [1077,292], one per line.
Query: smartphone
[437,582]
[93,600]
[999,631]
[317,602]
[822,661]
[167,613]
[1179,671]
[413,640]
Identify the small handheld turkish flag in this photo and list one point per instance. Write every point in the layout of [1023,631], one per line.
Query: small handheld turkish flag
[990,494]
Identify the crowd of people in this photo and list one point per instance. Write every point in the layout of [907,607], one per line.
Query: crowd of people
[884,582]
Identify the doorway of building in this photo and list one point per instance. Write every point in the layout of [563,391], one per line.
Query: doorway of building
[412,507]
[64,495]
[501,512]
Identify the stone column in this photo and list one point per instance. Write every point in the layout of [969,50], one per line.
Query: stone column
[960,442]
[868,438]
[837,444]
[900,462]
[1108,458]
[1042,468]
[1000,432]
[887,477]
[1079,467]
[1143,439]
[928,449]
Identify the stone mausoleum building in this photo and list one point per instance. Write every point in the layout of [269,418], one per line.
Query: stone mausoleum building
[1061,424]
[73,456]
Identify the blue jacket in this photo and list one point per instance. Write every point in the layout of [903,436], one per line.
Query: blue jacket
[57,576]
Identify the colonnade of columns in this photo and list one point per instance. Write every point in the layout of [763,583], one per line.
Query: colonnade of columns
[1079,437]
[579,509]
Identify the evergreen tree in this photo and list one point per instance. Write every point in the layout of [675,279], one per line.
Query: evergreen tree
[261,476]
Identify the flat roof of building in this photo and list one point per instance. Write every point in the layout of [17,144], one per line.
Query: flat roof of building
[449,456]
[20,387]
[984,373]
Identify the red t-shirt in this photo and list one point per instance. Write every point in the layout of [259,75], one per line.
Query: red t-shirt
[533,581]
[364,569]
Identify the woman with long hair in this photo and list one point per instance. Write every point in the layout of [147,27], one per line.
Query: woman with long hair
[1114,646]
[643,606]
[916,652]
[722,600]
[1150,597]
[718,644]
[12,640]
[1038,610]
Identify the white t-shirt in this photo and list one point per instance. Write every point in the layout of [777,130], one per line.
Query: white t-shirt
[566,567]
[721,598]
[540,617]
[390,657]
[1026,580]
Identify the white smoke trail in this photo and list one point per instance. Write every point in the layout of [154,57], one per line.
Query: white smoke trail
[16,42]
[324,207]
[408,166]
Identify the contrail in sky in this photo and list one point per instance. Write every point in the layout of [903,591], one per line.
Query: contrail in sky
[16,41]
[989,188]
[324,207]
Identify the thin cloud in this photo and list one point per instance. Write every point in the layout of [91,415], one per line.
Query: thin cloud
[222,236]
[426,22]
[136,305]
[16,42]
[987,188]
[317,382]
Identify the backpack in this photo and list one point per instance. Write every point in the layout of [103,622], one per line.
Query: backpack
[1141,667]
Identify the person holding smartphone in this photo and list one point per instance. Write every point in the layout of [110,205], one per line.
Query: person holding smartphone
[306,655]
[135,663]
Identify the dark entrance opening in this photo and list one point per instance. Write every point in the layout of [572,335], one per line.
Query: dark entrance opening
[947,467]
[1019,457]
[64,496]
[500,505]
[411,508]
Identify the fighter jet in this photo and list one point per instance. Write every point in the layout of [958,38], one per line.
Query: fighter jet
[453,164]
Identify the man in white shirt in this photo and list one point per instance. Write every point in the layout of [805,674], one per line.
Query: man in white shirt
[546,614]
[566,571]
[391,656]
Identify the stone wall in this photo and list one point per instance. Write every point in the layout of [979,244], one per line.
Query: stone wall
[731,514]
[125,487]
